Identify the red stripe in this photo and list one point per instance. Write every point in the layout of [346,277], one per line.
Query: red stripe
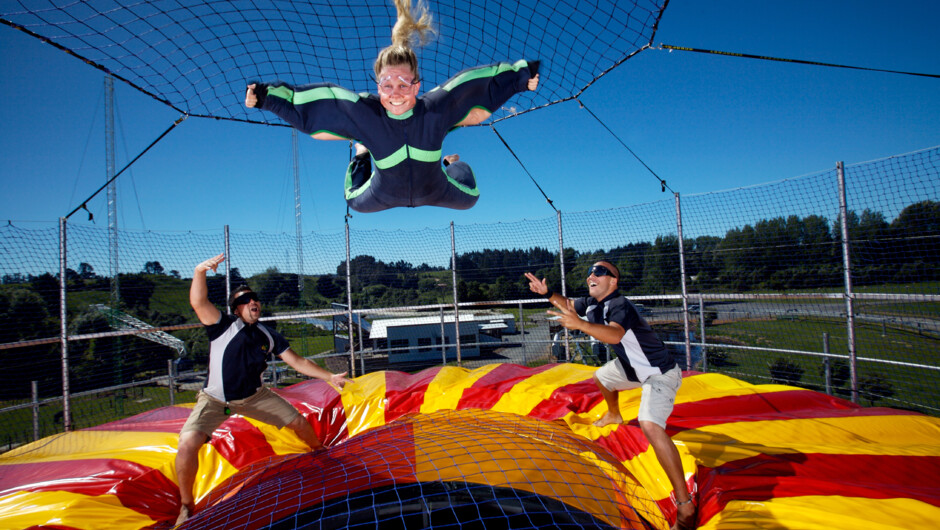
[577,397]
[374,459]
[138,487]
[240,442]
[764,477]
[405,393]
[490,388]
[768,406]
[322,406]
[164,419]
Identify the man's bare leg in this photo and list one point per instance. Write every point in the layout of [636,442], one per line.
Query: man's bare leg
[612,398]
[305,432]
[187,465]
[669,459]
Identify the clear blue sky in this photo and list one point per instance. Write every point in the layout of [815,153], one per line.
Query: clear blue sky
[702,122]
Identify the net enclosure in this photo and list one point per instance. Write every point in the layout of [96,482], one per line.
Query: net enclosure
[197,56]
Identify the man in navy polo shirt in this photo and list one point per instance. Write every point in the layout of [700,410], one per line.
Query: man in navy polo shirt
[239,347]
[642,361]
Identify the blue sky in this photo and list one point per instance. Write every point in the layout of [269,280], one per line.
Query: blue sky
[701,122]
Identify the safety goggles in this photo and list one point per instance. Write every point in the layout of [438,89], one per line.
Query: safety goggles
[600,270]
[388,85]
[244,299]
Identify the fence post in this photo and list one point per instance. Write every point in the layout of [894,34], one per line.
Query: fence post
[685,294]
[35,390]
[827,365]
[443,334]
[564,289]
[63,328]
[171,380]
[701,340]
[847,273]
[453,277]
[525,360]
[228,269]
[349,315]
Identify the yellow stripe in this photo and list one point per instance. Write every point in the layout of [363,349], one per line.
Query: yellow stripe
[868,435]
[528,393]
[364,403]
[445,391]
[455,451]
[73,510]
[156,450]
[825,513]
[283,441]
[635,493]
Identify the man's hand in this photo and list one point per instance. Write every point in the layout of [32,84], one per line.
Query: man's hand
[685,517]
[533,83]
[567,317]
[340,380]
[250,98]
[211,263]
[536,285]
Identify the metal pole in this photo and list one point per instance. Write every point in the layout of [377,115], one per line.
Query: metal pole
[63,329]
[171,380]
[443,335]
[564,289]
[701,340]
[525,360]
[453,277]
[35,391]
[349,315]
[847,271]
[685,294]
[298,218]
[228,270]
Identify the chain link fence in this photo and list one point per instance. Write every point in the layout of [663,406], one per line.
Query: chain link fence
[828,281]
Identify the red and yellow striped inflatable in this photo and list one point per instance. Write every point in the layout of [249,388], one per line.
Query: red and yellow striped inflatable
[503,444]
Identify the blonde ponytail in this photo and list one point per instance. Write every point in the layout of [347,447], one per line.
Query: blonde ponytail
[408,30]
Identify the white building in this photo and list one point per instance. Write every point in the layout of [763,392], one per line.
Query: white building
[417,339]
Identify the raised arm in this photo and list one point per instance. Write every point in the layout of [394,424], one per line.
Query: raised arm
[472,95]
[539,287]
[324,111]
[311,369]
[207,313]
[568,317]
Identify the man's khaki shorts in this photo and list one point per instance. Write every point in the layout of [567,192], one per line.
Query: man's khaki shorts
[658,394]
[264,405]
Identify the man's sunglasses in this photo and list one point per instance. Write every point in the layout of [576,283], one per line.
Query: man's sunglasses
[244,299]
[600,270]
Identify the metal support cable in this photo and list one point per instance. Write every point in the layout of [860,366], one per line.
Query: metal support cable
[549,201]
[662,183]
[797,61]
[83,205]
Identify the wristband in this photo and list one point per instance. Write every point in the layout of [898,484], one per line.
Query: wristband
[683,502]
[548,294]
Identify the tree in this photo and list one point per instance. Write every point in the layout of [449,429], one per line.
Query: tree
[136,291]
[662,265]
[153,267]
[839,372]
[874,388]
[86,271]
[785,372]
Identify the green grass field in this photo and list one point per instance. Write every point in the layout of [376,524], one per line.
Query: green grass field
[913,386]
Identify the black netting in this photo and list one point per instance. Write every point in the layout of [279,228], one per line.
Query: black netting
[197,56]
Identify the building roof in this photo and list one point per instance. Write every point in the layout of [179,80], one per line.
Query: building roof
[380,327]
